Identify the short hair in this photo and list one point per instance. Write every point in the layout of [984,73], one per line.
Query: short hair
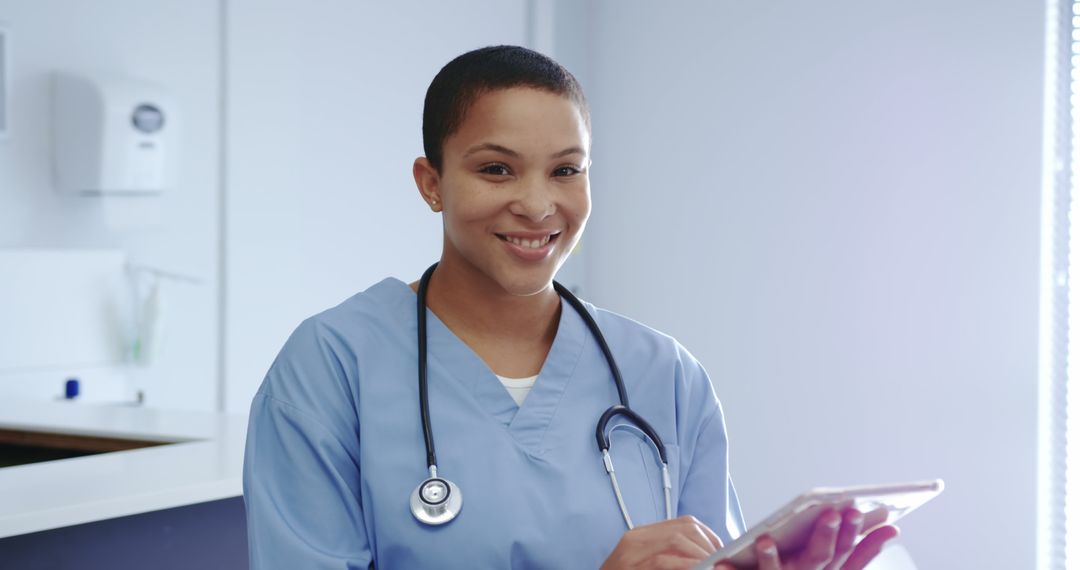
[468,76]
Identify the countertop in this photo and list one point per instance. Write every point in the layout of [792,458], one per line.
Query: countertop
[204,463]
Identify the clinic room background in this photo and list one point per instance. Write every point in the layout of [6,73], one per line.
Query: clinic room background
[836,206]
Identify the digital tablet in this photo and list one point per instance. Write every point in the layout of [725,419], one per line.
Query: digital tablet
[791,525]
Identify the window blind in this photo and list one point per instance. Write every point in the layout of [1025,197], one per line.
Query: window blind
[1058,534]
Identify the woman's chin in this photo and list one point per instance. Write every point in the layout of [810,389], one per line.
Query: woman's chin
[527,289]
[527,285]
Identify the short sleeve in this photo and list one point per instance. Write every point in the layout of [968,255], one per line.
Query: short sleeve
[301,471]
[707,491]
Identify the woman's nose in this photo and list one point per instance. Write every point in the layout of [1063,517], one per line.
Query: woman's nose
[535,201]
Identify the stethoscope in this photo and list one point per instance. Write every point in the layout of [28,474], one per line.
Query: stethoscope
[437,501]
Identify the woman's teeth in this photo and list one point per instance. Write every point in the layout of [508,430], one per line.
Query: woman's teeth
[530,244]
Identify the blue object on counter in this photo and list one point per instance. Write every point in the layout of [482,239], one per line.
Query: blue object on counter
[71,388]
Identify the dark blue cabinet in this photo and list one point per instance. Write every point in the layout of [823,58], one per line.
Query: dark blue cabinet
[206,536]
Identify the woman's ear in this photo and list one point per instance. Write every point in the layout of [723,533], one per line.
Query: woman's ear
[427,182]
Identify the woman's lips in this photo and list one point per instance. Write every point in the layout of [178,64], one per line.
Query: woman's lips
[530,247]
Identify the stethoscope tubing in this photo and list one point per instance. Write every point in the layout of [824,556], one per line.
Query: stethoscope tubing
[602,437]
[600,340]
[421,361]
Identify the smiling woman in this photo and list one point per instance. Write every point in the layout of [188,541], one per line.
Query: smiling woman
[513,187]
[335,445]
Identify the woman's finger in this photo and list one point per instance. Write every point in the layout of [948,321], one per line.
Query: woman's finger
[870,547]
[768,558]
[696,531]
[711,536]
[820,548]
[702,539]
[845,538]
[678,543]
[686,545]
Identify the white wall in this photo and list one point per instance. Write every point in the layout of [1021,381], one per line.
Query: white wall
[835,206]
[324,103]
[173,43]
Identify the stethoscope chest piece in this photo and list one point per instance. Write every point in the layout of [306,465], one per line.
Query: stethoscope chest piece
[435,501]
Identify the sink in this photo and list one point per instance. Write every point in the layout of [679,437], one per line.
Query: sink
[20,447]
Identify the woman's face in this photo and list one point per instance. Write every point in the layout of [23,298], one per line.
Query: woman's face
[514,188]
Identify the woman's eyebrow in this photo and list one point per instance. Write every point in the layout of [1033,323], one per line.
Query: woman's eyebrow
[514,154]
[492,146]
[569,151]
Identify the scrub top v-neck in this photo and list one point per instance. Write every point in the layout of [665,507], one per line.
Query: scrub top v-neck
[335,446]
[527,424]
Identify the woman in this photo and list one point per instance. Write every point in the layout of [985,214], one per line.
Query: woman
[515,381]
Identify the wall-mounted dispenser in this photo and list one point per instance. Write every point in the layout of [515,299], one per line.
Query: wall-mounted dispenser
[112,135]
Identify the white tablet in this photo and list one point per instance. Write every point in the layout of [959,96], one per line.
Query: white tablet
[791,525]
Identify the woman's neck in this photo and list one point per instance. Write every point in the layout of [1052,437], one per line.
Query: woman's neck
[482,307]
[512,333]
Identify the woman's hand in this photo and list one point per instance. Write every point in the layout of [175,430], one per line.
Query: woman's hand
[832,545]
[677,543]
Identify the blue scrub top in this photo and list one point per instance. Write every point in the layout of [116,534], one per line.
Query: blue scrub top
[335,446]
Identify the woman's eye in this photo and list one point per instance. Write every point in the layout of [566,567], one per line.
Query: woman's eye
[567,171]
[495,170]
